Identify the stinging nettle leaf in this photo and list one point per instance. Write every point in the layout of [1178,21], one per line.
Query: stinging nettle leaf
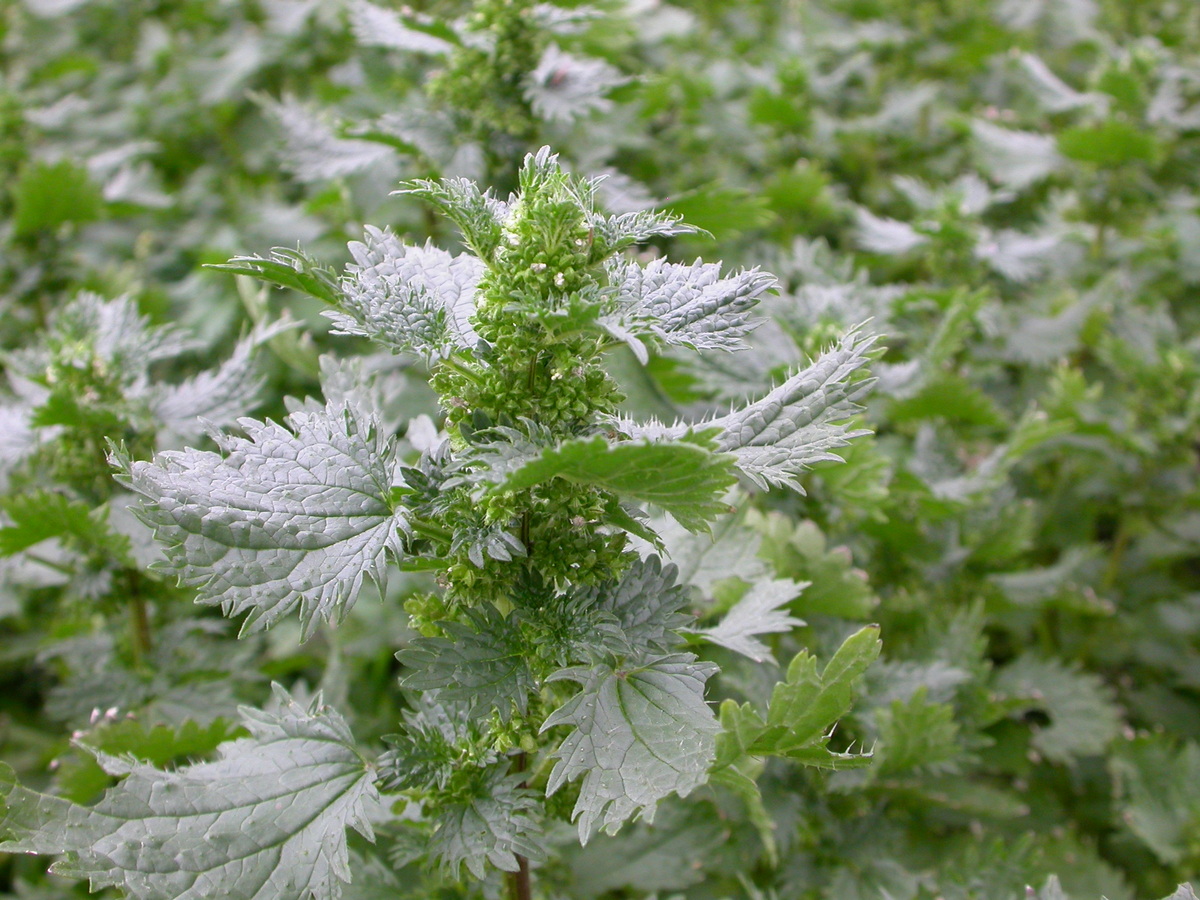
[478,214]
[482,663]
[374,26]
[640,733]
[288,268]
[267,820]
[647,605]
[279,520]
[797,425]
[407,297]
[685,477]
[681,304]
[493,826]
[760,611]
[563,87]
[217,398]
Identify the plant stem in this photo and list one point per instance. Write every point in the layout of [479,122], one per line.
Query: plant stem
[143,642]
[520,887]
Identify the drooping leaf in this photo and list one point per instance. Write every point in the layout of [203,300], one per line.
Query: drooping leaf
[493,825]
[684,477]
[286,268]
[268,819]
[640,733]
[279,520]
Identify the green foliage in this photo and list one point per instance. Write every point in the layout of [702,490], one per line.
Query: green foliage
[555,523]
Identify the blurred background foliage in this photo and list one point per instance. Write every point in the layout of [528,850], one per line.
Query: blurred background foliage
[1004,189]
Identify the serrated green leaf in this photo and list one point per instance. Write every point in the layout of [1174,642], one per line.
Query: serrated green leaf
[493,825]
[41,515]
[802,710]
[796,425]
[287,268]
[646,605]
[680,304]
[807,704]
[1083,717]
[916,734]
[1159,784]
[684,477]
[478,214]
[407,298]
[482,663]
[279,520]
[267,819]
[640,733]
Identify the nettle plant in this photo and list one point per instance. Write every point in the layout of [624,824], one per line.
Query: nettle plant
[554,672]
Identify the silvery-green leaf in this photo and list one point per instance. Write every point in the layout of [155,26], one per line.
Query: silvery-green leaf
[478,214]
[1054,94]
[639,733]
[374,26]
[887,236]
[481,663]
[1019,257]
[614,233]
[563,87]
[17,438]
[682,304]
[219,396]
[796,425]
[493,825]
[282,519]
[1016,159]
[267,820]
[760,611]
[407,297]
[646,605]
[313,152]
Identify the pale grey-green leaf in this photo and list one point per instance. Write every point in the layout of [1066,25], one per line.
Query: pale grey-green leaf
[686,304]
[760,611]
[265,821]
[279,520]
[640,733]
[407,297]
